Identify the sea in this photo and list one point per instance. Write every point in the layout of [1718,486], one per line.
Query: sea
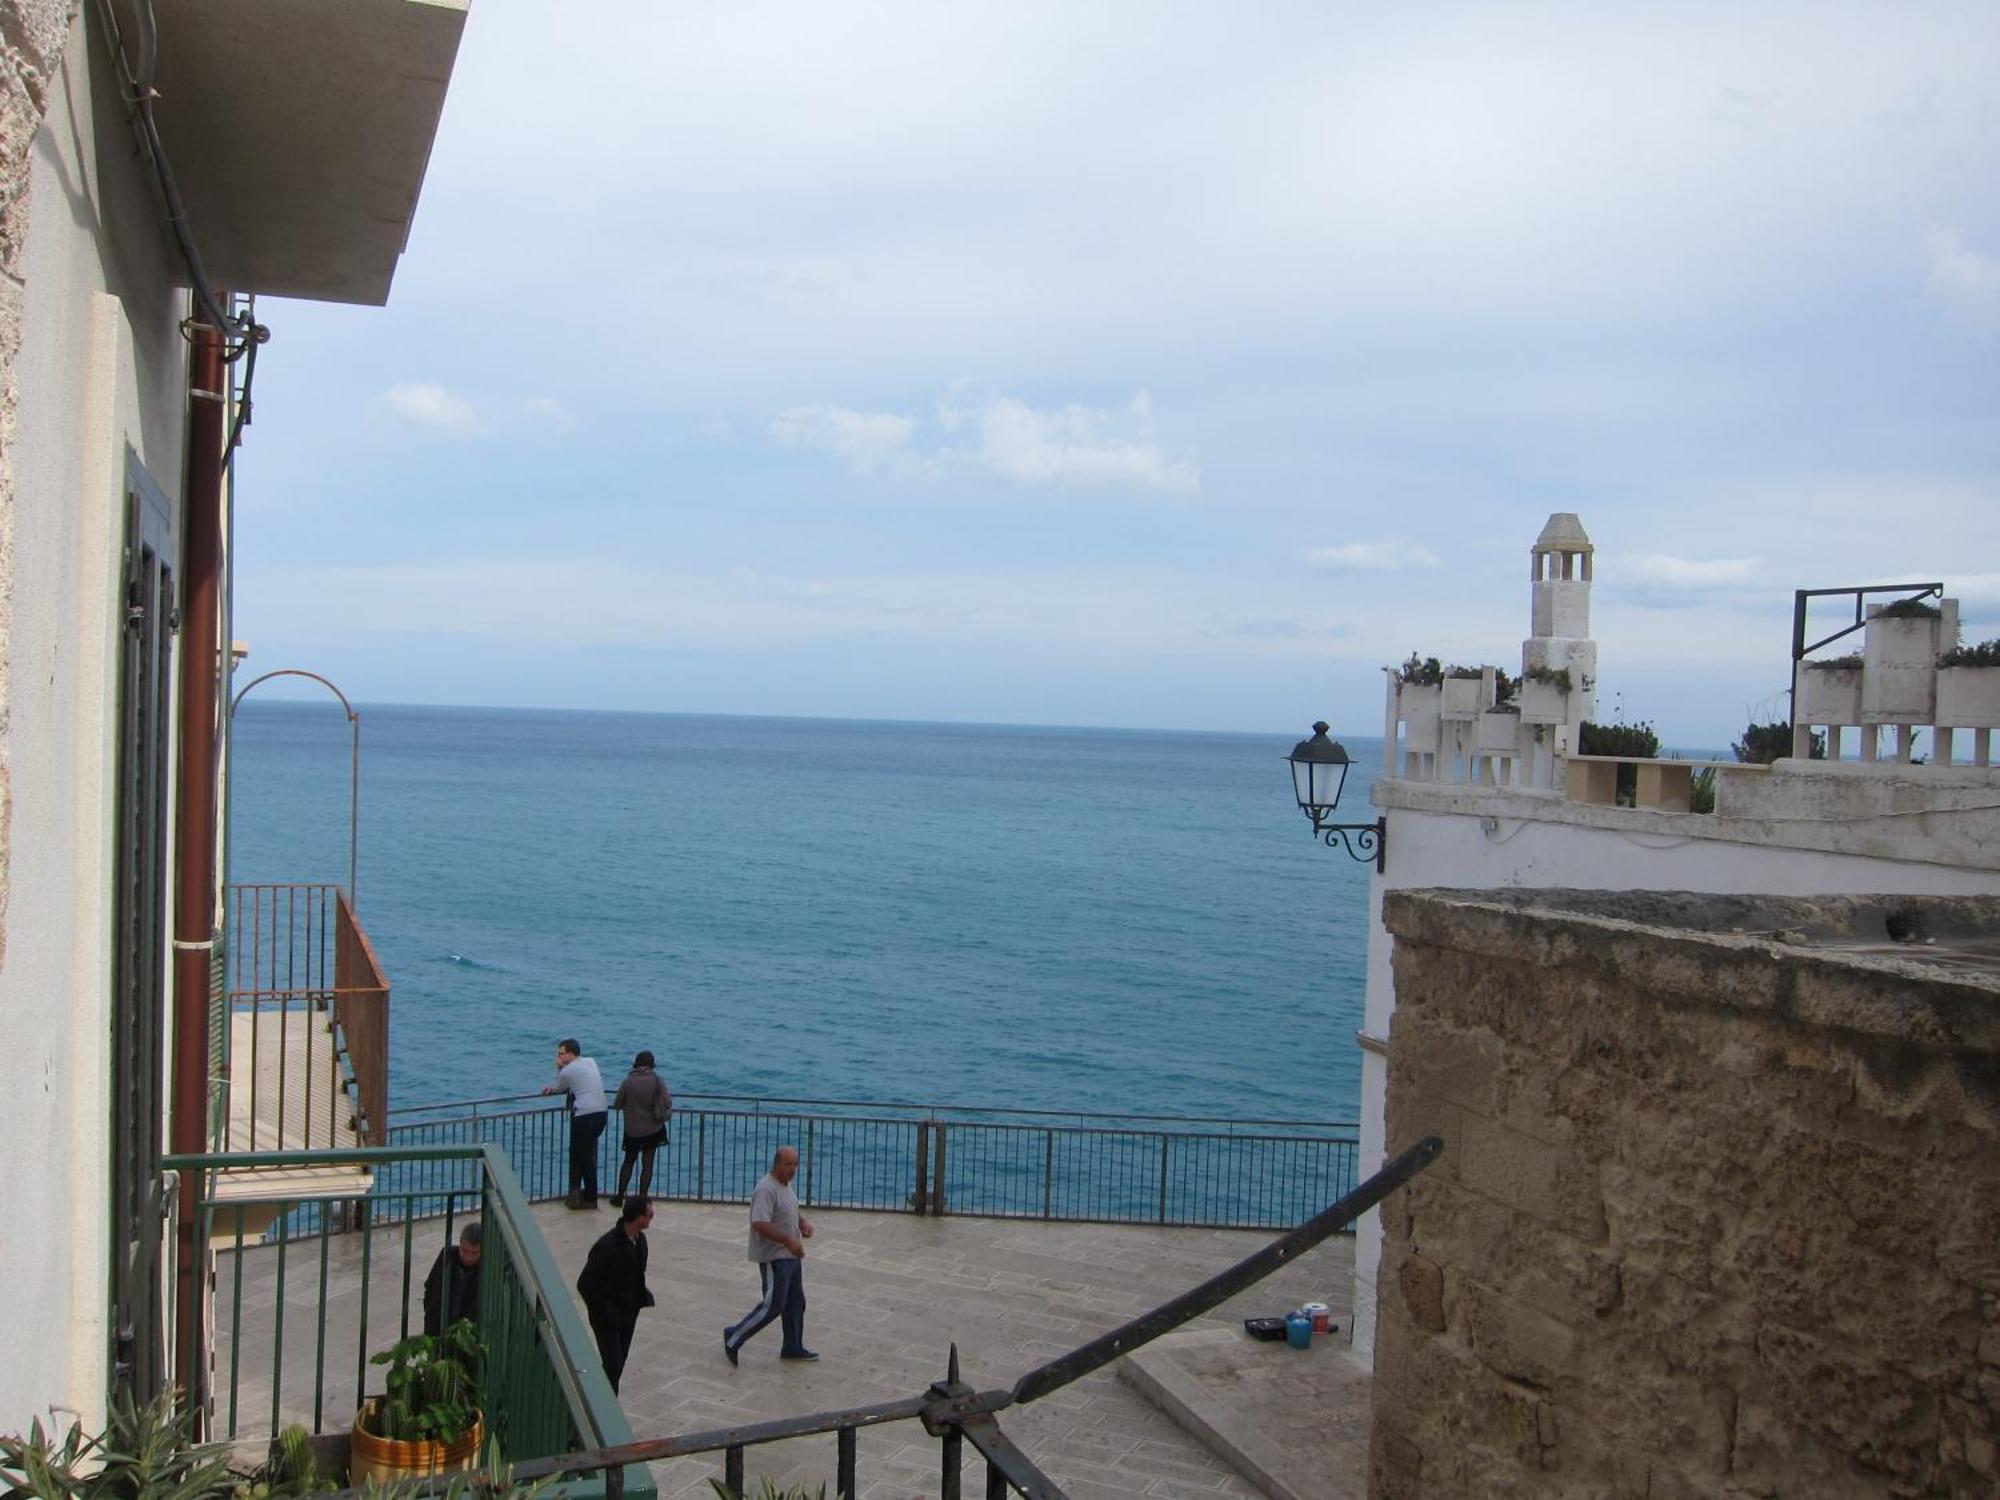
[972,915]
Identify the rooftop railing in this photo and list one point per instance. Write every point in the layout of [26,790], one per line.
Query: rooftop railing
[302,1305]
[1082,1167]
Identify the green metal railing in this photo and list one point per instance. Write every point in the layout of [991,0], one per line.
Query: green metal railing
[357,1262]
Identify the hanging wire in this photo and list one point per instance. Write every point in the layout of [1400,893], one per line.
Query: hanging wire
[241,333]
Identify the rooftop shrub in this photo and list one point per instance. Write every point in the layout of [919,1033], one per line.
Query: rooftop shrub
[1985,654]
[1420,671]
[1910,609]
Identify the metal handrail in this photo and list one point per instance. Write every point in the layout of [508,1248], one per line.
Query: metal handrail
[570,1349]
[930,1110]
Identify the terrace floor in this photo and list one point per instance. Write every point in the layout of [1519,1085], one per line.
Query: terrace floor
[887,1294]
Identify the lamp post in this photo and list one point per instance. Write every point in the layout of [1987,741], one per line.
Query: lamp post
[1319,770]
[353,761]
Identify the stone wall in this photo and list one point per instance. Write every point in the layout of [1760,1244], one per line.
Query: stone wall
[1719,1213]
[32,33]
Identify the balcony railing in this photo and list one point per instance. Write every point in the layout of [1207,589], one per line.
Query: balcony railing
[301,1306]
[936,1160]
[308,1023]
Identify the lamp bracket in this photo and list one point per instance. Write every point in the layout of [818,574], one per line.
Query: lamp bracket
[1362,841]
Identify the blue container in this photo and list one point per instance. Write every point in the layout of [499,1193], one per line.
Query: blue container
[1299,1331]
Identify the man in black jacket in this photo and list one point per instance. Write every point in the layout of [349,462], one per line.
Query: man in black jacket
[451,1291]
[613,1285]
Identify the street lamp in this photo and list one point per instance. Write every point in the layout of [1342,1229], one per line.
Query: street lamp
[1319,770]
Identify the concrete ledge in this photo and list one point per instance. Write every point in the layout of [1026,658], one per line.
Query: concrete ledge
[1186,1375]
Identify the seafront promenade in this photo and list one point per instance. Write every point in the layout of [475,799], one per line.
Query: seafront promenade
[887,1296]
[888,1293]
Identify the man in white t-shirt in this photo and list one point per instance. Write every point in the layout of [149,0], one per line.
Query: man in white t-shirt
[577,1076]
[778,1235]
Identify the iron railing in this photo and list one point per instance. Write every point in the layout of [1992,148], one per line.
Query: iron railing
[355,1267]
[954,1413]
[308,1022]
[984,1163]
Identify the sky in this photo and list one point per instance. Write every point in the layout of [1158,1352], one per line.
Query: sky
[1143,364]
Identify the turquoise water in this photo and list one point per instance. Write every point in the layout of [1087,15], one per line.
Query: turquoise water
[1071,919]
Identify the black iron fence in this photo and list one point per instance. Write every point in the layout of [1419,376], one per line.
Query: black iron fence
[987,1163]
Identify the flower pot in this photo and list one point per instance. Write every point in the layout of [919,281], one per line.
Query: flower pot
[1968,697]
[1464,697]
[1899,672]
[1499,734]
[1418,705]
[372,1457]
[1830,695]
[1543,703]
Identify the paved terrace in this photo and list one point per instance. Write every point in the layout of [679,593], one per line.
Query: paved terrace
[888,1293]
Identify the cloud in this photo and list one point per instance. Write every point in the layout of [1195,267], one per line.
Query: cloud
[1075,445]
[1964,280]
[1686,574]
[1975,588]
[864,441]
[1390,555]
[550,414]
[1081,446]
[430,407]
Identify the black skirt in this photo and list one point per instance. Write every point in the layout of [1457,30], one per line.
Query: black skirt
[646,1142]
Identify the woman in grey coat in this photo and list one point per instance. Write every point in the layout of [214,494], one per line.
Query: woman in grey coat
[646,1102]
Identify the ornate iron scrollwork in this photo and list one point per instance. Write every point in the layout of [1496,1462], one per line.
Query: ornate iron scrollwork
[1364,842]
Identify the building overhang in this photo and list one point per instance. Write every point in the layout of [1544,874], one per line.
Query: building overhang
[299,131]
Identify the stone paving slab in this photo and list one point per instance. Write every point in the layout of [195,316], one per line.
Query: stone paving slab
[886,1296]
[1294,1422]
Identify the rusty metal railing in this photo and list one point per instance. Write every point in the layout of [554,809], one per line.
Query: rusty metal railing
[307,1010]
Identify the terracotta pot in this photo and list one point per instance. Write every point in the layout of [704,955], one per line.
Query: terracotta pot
[1899,680]
[1464,697]
[1499,733]
[372,1457]
[1543,703]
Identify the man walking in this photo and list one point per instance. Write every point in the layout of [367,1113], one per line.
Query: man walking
[778,1232]
[577,1076]
[451,1291]
[613,1285]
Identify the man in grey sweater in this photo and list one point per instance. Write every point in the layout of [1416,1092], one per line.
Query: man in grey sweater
[778,1235]
[577,1076]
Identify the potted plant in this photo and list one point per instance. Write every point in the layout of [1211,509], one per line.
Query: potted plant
[1899,673]
[1968,687]
[1830,690]
[1419,699]
[1545,695]
[1499,731]
[427,1420]
[1467,692]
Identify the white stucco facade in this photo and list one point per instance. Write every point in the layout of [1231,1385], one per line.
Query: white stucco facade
[100,370]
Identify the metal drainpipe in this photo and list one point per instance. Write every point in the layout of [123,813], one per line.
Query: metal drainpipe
[195,826]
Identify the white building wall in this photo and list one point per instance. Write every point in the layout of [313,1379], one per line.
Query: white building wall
[101,367]
[1465,838]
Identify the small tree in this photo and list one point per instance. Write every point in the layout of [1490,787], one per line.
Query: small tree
[1763,743]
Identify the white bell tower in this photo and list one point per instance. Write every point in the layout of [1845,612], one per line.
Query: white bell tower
[1559,569]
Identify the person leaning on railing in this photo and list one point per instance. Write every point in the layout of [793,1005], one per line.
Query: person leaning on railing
[577,1076]
[645,1101]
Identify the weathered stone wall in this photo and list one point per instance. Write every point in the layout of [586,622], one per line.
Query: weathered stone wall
[1719,1213]
[32,33]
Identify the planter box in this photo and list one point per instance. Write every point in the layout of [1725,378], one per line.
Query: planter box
[1418,706]
[1968,697]
[1465,697]
[1899,672]
[1829,695]
[1543,703]
[1499,734]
